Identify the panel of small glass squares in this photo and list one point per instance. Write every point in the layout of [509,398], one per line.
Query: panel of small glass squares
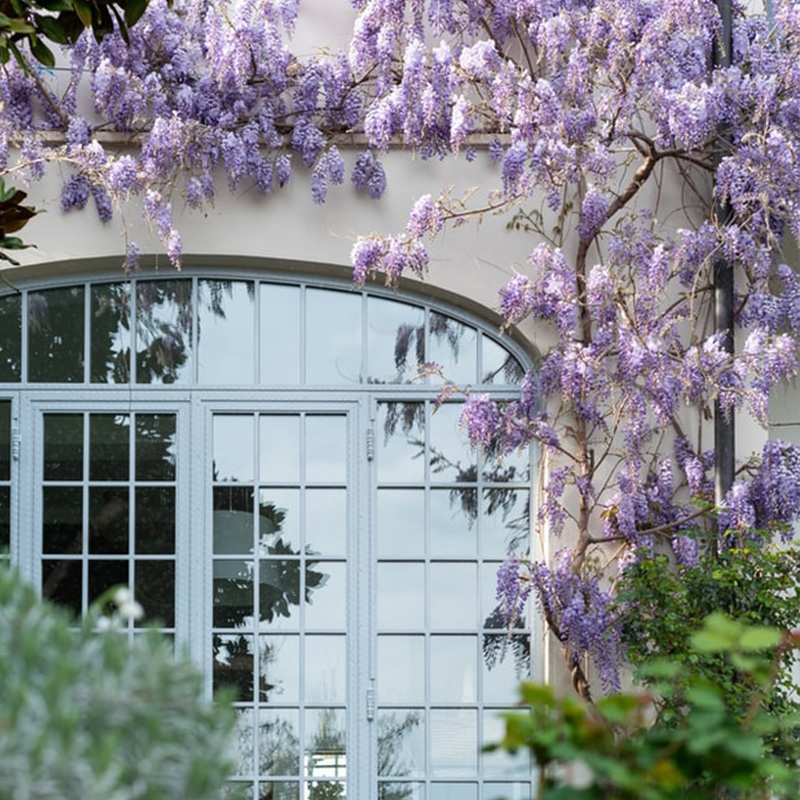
[109,510]
[279,596]
[446,517]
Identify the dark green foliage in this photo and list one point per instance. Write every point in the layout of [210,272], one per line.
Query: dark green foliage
[619,750]
[13,215]
[31,22]
[86,715]
[665,605]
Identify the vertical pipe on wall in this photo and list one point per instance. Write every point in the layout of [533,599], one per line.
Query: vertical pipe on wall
[724,432]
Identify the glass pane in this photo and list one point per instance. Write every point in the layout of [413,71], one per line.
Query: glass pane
[454,742]
[62,583]
[280,334]
[233,594]
[451,458]
[326,521]
[225,331]
[280,589]
[326,448]
[237,790]
[279,453]
[164,331]
[155,520]
[507,791]
[279,790]
[110,342]
[10,338]
[401,522]
[104,575]
[63,447]
[55,335]
[155,447]
[453,669]
[499,366]
[243,741]
[506,662]
[452,529]
[325,679]
[279,666]
[395,340]
[325,756]
[453,596]
[108,520]
[454,791]
[322,790]
[109,447]
[232,658]
[233,447]
[325,608]
[5,519]
[400,442]
[154,588]
[453,346]
[401,744]
[333,337]
[278,741]
[62,519]
[401,670]
[505,525]
[401,791]
[5,440]
[501,763]
[511,467]
[233,519]
[279,521]
[401,596]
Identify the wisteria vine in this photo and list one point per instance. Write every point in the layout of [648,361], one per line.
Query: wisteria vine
[587,104]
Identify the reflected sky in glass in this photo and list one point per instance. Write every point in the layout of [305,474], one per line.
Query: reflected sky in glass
[233,447]
[279,452]
[395,340]
[226,332]
[326,662]
[454,347]
[499,366]
[454,742]
[326,448]
[401,742]
[451,458]
[401,596]
[401,522]
[280,335]
[401,670]
[453,669]
[400,442]
[453,597]
[333,337]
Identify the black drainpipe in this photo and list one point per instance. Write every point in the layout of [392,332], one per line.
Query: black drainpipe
[724,436]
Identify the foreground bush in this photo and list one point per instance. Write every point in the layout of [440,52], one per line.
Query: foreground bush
[87,715]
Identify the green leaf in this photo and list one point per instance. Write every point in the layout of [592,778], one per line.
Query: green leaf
[13,243]
[134,10]
[84,12]
[51,28]
[759,638]
[41,52]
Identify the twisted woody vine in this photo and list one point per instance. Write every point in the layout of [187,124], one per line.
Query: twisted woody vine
[587,108]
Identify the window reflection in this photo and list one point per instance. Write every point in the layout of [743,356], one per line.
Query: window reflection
[55,335]
[110,334]
[164,331]
[395,340]
[226,331]
[454,347]
[11,338]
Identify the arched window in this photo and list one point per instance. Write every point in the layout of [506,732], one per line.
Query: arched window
[259,460]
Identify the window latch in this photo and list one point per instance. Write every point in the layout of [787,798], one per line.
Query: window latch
[16,443]
[370,444]
[370,704]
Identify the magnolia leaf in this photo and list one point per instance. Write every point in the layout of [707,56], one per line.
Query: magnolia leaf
[52,29]
[41,52]
[134,10]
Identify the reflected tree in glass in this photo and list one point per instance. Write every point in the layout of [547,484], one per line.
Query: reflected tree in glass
[393,729]
[164,330]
